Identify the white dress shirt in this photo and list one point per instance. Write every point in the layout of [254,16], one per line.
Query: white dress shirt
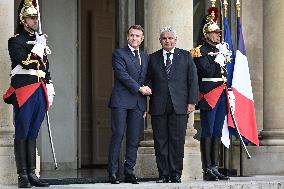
[171,56]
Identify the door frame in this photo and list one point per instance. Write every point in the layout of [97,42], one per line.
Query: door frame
[126,15]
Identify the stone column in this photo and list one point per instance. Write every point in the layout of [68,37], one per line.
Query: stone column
[7,164]
[270,154]
[192,157]
[170,13]
[180,16]
[273,129]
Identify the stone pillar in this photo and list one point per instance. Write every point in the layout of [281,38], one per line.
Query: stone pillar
[192,157]
[7,164]
[270,154]
[272,142]
[180,16]
[251,16]
[169,13]
[273,129]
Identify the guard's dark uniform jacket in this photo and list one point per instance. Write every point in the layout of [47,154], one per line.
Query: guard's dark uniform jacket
[207,69]
[24,85]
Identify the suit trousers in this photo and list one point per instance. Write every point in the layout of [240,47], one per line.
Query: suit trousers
[169,132]
[130,120]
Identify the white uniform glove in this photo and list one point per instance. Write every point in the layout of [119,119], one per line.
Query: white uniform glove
[50,93]
[40,45]
[220,59]
[223,53]
[232,101]
[224,49]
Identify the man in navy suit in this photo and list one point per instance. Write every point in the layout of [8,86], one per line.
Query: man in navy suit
[173,79]
[127,103]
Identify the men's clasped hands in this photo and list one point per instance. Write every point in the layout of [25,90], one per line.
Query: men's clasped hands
[145,90]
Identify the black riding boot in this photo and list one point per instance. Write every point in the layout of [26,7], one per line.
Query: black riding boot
[215,151]
[21,163]
[34,180]
[205,147]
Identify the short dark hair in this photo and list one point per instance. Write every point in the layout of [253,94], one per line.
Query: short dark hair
[136,27]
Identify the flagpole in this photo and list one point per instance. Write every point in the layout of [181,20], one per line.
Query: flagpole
[225,12]
[238,5]
[213,2]
[225,4]
[224,8]
[39,19]
[231,108]
[222,20]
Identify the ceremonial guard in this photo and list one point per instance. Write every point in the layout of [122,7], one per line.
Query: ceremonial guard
[31,91]
[209,57]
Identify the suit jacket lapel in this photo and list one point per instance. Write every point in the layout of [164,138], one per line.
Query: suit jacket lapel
[132,57]
[143,61]
[174,63]
[161,63]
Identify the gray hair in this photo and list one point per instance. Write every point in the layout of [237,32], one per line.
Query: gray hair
[168,29]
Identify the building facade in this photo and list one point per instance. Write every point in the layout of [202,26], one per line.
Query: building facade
[82,35]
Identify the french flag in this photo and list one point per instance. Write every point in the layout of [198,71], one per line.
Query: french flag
[241,86]
[230,70]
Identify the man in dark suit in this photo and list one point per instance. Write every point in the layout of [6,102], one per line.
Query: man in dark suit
[127,103]
[173,79]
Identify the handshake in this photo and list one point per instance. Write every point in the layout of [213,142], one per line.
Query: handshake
[145,90]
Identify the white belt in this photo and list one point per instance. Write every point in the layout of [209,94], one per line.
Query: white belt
[19,70]
[212,79]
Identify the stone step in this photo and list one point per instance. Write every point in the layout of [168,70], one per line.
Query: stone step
[255,182]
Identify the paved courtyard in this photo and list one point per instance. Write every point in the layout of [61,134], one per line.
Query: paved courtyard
[255,182]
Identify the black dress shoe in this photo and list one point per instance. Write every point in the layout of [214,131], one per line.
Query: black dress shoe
[131,179]
[113,179]
[218,174]
[176,179]
[23,180]
[163,179]
[35,181]
[208,175]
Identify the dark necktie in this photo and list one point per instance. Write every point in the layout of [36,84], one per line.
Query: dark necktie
[168,65]
[137,57]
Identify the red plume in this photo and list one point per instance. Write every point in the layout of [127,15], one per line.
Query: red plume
[216,12]
[34,3]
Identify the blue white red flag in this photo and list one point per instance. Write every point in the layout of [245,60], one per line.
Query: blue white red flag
[241,86]
[230,69]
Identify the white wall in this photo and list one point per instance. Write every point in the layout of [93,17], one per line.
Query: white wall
[59,22]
